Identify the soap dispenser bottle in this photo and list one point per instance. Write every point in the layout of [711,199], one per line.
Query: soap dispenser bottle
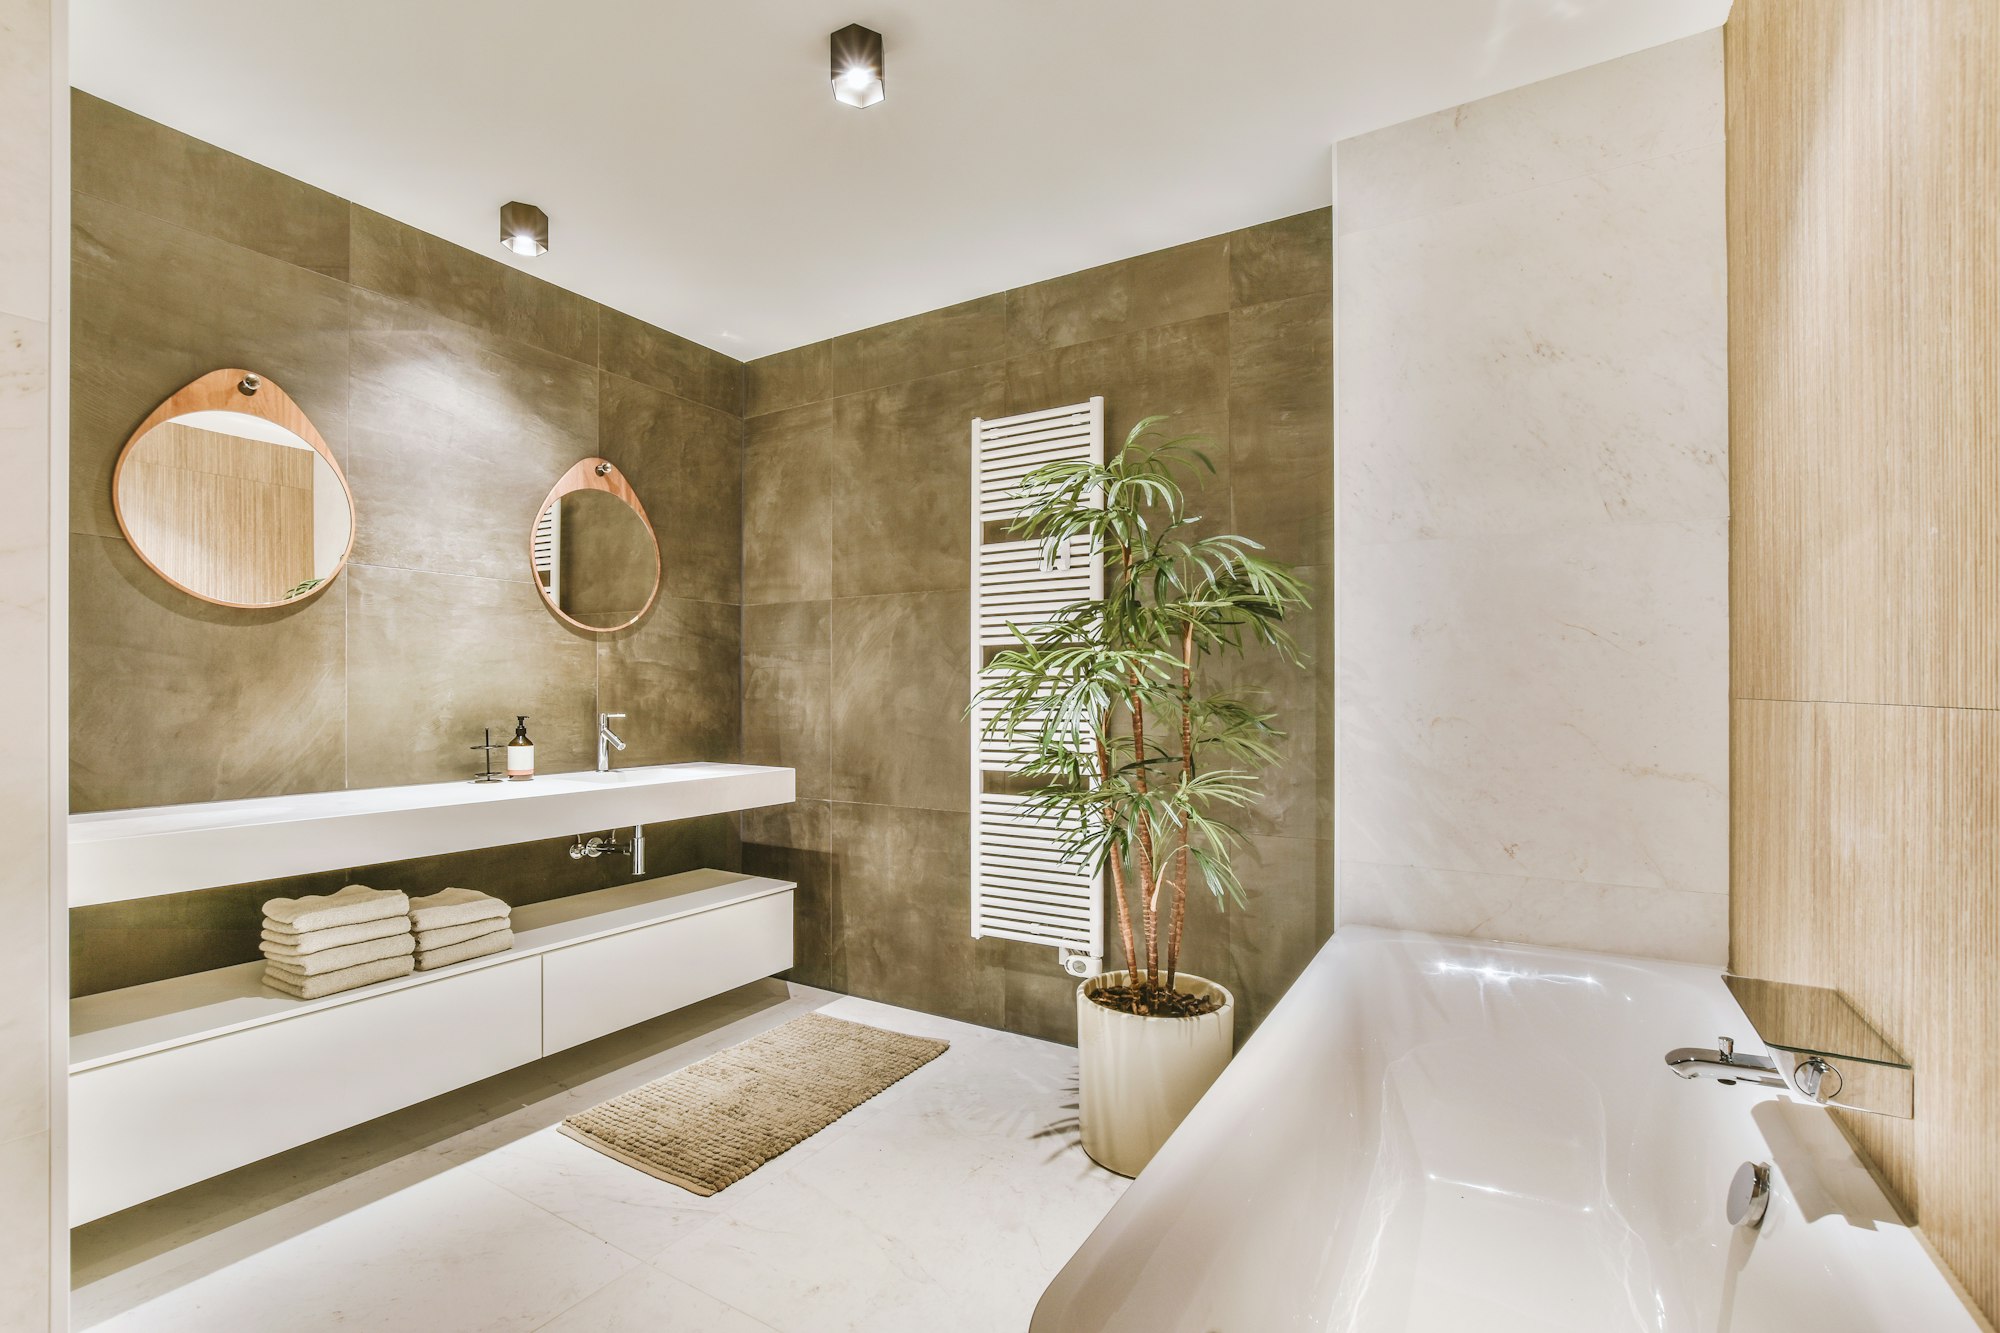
[521,753]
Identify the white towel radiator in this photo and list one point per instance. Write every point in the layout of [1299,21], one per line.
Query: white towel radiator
[1024,885]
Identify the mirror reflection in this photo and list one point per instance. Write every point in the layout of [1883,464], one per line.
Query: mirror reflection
[233,506]
[596,561]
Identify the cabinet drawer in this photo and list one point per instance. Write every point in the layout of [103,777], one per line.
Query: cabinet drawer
[602,985]
[154,1123]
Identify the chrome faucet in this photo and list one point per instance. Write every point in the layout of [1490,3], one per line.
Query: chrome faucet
[1724,1065]
[607,844]
[607,737]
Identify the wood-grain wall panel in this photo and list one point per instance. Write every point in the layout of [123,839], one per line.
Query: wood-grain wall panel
[1864,260]
[1864,170]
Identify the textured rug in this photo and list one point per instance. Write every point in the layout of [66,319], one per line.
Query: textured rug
[713,1123]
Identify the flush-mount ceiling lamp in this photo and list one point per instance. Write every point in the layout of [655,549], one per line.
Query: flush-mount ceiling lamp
[857,65]
[524,229]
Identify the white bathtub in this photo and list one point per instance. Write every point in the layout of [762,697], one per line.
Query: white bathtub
[1432,1135]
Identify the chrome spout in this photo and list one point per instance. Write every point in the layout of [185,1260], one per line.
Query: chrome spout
[1724,1065]
[607,737]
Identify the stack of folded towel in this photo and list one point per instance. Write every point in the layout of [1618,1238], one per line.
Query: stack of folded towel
[327,943]
[453,925]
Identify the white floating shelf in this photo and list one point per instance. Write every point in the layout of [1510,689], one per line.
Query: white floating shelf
[177,1080]
[158,1015]
[121,854]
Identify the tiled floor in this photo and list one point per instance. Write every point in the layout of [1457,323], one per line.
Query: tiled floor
[947,1202]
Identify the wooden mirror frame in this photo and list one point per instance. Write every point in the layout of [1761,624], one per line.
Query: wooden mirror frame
[594,474]
[251,395]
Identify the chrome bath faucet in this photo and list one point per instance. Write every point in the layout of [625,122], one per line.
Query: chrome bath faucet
[606,737]
[1724,1065]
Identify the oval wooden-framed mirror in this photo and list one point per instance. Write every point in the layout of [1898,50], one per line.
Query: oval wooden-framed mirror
[595,557]
[229,492]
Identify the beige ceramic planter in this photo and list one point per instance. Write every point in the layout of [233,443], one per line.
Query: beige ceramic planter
[1141,1076]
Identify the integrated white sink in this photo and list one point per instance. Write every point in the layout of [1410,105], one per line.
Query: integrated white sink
[120,854]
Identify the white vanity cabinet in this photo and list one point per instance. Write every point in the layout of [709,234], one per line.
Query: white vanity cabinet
[176,1081]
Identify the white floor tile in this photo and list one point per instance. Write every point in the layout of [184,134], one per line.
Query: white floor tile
[452,1253]
[947,1202]
[647,1300]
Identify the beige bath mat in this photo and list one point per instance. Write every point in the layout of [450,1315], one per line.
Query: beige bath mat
[713,1123]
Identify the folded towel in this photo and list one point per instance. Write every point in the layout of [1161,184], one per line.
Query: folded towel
[347,955]
[471,930]
[279,942]
[498,942]
[352,904]
[332,983]
[454,907]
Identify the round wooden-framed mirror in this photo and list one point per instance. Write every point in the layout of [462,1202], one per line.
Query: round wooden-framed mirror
[593,551]
[228,492]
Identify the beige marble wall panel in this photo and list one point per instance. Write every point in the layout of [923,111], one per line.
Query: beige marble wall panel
[1532,719]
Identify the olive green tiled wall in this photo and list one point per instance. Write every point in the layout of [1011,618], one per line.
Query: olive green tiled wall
[454,389]
[856,547]
[813,517]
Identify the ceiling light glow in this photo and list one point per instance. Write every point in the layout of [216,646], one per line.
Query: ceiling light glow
[524,229]
[858,66]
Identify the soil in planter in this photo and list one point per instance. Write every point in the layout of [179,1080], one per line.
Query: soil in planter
[1154,1001]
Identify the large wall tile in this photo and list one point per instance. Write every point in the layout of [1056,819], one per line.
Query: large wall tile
[901,476]
[1287,915]
[788,379]
[1644,921]
[148,939]
[25,1029]
[474,385]
[1038,998]
[26,564]
[1533,511]
[685,461]
[32,1261]
[1651,104]
[27,144]
[433,658]
[901,879]
[901,682]
[1281,426]
[533,872]
[1180,371]
[1278,260]
[1864,382]
[1551,706]
[155,306]
[456,438]
[674,676]
[27,1165]
[787,691]
[124,158]
[928,344]
[1584,380]
[794,842]
[1151,290]
[177,700]
[473,289]
[1155,335]
[787,505]
[638,351]
[1296,800]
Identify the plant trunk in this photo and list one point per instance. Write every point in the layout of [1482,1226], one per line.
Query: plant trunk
[1179,919]
[1117,861]
[1149,905]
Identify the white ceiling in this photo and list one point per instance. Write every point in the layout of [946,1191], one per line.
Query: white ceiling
[699,174]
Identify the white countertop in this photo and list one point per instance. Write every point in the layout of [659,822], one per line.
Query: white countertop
[120,854]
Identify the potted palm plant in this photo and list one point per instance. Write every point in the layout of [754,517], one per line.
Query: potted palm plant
[1131,748]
